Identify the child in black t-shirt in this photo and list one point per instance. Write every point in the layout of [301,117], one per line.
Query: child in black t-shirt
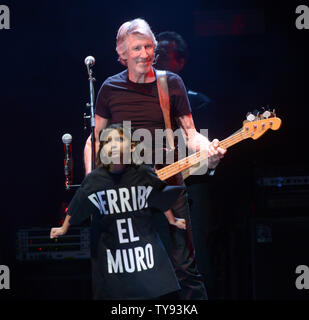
[128,258]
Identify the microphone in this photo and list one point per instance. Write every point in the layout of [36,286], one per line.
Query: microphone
[89,61]
[68,160]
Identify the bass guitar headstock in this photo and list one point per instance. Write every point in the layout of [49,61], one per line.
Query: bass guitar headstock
[258,123]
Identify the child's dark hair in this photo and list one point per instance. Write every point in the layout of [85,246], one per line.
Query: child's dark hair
[125,131]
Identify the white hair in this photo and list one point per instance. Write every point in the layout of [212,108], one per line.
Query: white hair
[136,26]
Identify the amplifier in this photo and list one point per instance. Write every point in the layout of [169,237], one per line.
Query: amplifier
[283,181]
[279,246]
[35,244]
[283,194]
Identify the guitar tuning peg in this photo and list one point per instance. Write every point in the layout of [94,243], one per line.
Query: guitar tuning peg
[266,114]
[250,117]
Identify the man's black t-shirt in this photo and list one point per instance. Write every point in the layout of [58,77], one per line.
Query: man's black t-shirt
[128,258]
[120,99]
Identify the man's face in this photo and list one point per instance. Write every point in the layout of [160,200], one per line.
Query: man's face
[140,54]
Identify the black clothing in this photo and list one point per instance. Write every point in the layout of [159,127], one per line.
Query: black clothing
[120,99]
[128,258]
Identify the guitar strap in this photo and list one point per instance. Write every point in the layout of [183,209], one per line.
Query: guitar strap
[165,106]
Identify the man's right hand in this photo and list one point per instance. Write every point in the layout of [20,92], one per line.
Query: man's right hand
[88,156]
[100,124]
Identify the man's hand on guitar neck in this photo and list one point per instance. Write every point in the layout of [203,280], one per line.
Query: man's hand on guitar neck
[198,142]
[216,153]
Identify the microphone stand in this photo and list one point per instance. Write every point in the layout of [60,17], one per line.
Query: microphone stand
[72,186]
[92,121]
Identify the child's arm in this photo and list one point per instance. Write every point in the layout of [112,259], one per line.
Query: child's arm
[177,222]
[56,232]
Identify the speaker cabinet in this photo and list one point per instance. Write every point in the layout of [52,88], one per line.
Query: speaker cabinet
[279,245]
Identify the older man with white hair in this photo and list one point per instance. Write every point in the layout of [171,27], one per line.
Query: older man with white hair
[132,95]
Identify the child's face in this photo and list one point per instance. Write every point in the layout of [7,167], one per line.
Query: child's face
[115,148]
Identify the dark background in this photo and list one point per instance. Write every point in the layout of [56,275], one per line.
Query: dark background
[243,55]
